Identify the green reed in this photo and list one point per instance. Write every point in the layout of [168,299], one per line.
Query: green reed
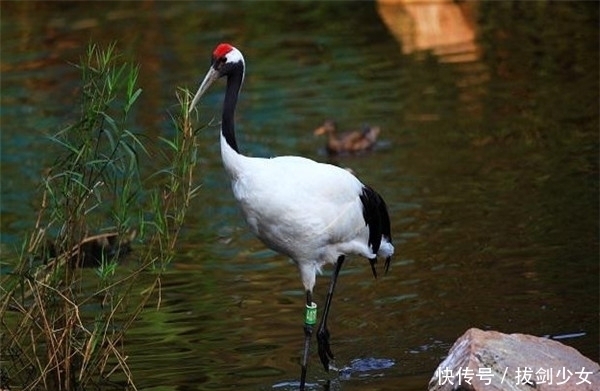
[68,302]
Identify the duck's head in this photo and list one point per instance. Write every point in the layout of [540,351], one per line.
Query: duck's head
[329,126]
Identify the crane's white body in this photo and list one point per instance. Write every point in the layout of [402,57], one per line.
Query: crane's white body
[306,210]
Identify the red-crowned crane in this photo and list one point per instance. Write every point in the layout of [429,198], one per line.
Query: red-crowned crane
[312,212]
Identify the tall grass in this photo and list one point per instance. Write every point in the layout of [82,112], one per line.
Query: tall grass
[68,303]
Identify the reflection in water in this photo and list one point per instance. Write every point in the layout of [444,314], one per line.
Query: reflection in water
[445,27]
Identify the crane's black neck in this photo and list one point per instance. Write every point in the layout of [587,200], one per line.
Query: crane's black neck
[235,78]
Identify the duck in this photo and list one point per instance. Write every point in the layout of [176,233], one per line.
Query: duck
[348,142]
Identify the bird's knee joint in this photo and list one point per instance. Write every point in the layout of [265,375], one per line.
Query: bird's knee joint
[323,333]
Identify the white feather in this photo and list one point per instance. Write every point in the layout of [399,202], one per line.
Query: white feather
[306,210]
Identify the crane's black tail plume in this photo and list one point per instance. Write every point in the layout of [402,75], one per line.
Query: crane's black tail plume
[377,218]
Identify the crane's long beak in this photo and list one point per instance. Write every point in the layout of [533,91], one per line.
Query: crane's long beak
[210,77]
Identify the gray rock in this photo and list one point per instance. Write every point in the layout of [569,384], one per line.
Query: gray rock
[490,360]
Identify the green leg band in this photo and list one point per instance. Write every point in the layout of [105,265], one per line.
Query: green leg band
[310,316]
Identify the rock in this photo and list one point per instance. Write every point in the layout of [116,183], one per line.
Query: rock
[490,360]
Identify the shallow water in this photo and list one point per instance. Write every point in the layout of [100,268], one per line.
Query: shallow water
[487,160]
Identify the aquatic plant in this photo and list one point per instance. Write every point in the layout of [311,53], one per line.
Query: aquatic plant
[77,288]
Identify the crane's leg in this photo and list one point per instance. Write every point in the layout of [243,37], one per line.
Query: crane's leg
[309,322]
[323,333]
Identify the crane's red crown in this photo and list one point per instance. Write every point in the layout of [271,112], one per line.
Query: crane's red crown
[222,49]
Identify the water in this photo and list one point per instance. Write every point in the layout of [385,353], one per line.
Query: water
[488,162]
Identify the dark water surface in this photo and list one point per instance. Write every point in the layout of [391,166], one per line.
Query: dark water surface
[488,161]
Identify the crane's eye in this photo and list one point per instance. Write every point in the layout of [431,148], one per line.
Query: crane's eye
[219,62]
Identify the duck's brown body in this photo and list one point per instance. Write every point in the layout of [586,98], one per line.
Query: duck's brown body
[348,142]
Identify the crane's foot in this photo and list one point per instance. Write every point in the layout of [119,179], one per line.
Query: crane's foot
[325,353]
